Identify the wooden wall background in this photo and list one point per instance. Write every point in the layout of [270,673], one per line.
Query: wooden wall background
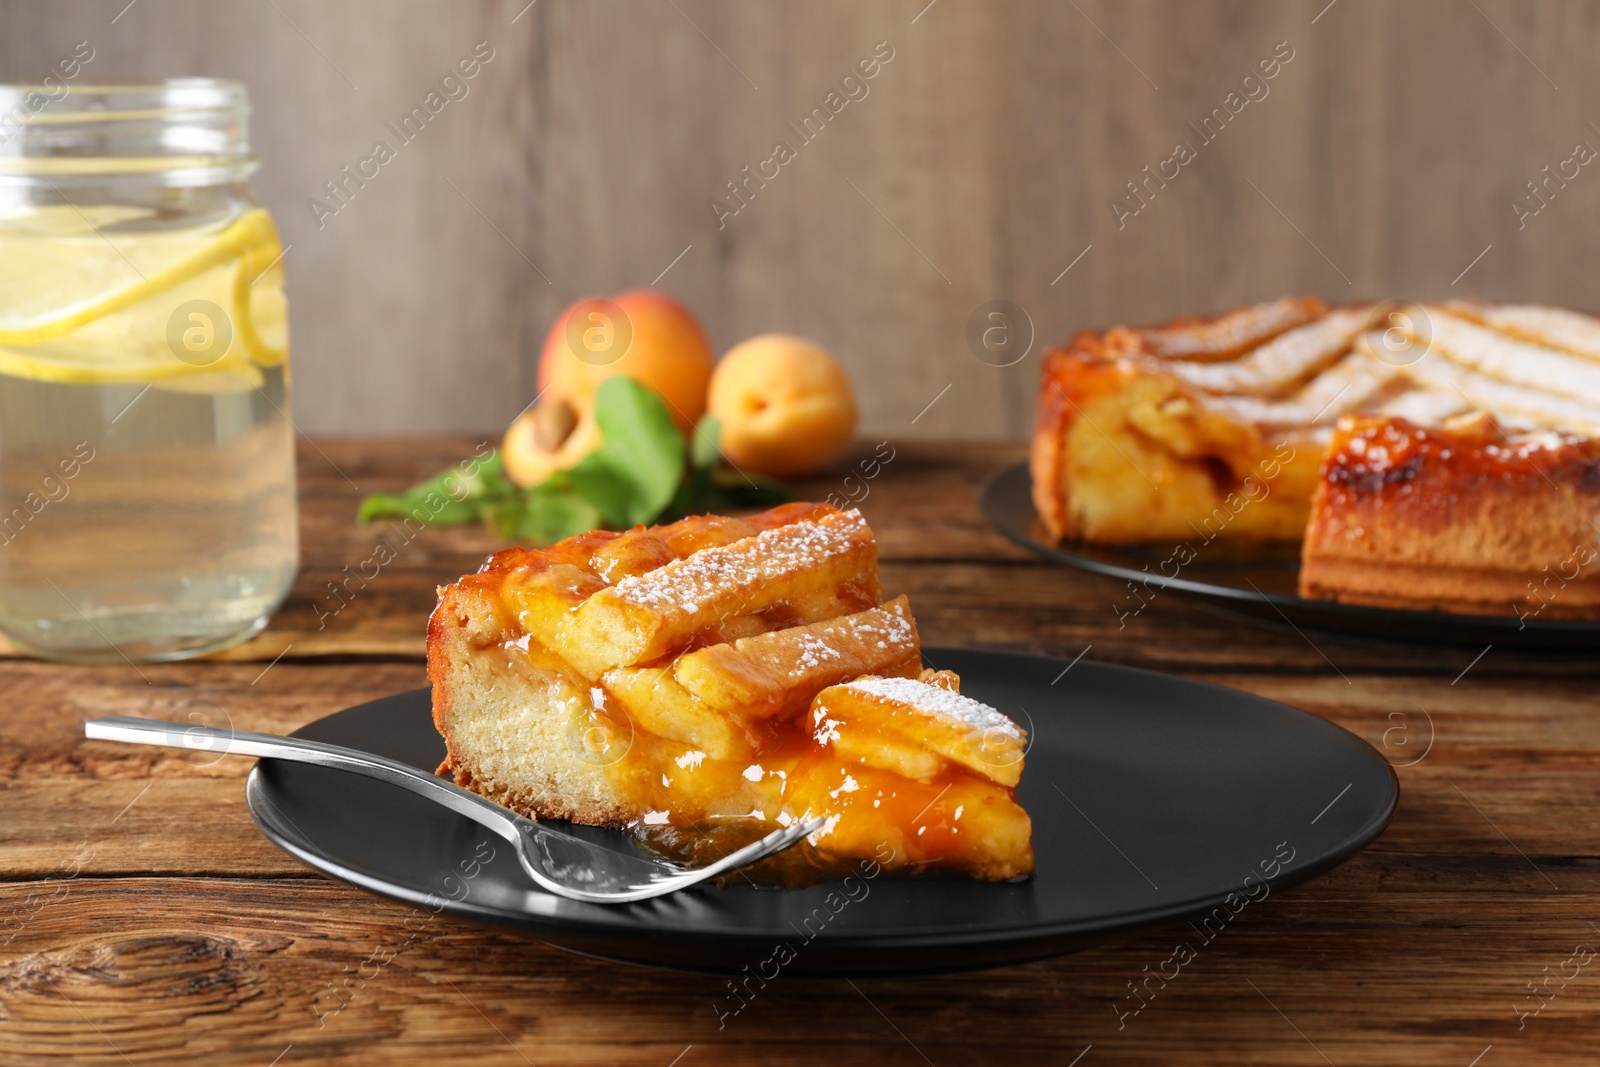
[983,161]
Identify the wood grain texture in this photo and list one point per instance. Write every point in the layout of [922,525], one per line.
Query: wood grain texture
[143,919]
[983,160]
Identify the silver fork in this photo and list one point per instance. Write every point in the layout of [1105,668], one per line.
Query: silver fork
[561,863]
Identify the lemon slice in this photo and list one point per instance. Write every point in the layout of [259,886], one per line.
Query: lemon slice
[261,312]
[206,308]
[51,259]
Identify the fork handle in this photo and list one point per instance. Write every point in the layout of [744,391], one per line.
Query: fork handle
[135,731]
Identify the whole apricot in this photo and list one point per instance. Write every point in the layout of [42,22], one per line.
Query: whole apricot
[643,334]
[785,405]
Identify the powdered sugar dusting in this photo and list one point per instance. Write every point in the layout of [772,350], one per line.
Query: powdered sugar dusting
[895,628]
[826,730]
[978,716]
[1233,330]
[814,651]
[684,584]
[1557,327]
[1283,360]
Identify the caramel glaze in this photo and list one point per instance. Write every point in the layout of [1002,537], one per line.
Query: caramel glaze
[695,808]
[1431,473]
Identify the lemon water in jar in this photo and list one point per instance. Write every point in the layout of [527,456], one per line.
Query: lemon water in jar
[147,506]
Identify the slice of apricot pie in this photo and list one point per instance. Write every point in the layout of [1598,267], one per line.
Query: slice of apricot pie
[704,682]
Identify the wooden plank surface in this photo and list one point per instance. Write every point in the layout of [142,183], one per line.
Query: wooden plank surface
[143,919]
[982,162]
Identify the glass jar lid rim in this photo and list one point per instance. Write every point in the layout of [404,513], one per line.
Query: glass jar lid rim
[71,102]
[182,131]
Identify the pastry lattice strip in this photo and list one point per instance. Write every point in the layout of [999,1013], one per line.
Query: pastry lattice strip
[1230,334]
[1283,362]
[646,616]
[1494,355]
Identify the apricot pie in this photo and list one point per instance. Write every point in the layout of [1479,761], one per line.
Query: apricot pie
[705,682]
[1429,456]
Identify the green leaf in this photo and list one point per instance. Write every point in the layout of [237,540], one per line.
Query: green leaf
[703,447]
[438,511]
[557,515]
[639,465]
[431,508]
[450,498]
[544,514]
[382,506]
[485,479]
[505,517]
[608,490]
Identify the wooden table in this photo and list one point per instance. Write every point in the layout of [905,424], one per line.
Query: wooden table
[145,920]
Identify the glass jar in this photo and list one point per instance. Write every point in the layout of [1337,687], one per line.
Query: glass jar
[147,499]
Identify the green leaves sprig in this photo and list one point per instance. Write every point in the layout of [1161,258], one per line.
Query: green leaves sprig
[643,472]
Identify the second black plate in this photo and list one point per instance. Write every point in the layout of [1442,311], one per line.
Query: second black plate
[1258,583]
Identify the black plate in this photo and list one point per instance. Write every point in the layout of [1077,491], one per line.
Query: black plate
[1258,583]
[1152,797]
